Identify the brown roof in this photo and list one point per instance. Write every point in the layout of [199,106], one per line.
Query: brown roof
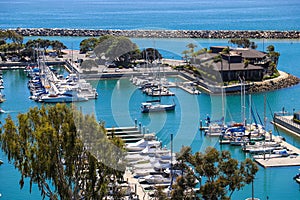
[250,53]
[234,66]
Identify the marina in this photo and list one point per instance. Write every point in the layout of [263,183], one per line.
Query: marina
[119,104]
[169,26]
[45,85]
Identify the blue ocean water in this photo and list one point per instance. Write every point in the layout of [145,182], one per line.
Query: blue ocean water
[155,14]
[119,101]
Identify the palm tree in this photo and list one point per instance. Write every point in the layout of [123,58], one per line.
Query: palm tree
[186,55]
[227,52]
[274,56]
[217,59]
[192,47]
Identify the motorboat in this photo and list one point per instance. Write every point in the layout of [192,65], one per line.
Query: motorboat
[142,144]
[155,179]
[151,106]
[65,97]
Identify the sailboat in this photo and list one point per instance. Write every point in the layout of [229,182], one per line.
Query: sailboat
[156,106]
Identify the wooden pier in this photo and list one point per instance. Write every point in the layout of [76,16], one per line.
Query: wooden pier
[128,134]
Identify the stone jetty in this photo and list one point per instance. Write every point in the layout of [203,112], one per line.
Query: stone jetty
[214,34]
[285,80]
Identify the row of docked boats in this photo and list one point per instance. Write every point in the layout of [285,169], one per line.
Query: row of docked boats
[252,138]
[48,87]
[151,164]
[2,99]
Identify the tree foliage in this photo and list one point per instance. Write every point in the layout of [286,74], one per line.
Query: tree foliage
[222,174]
[274,57]
[112,47]
[243,43]
[88,44]
[16,43]
[64,152]
[151,54]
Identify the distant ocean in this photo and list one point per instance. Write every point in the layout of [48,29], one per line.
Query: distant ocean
[154,14]
[270,183]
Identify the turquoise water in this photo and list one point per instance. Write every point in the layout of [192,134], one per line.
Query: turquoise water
[118,105]
[156,14]
[119,101]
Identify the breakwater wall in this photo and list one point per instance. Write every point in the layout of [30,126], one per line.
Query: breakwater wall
[289,81]
[214,34]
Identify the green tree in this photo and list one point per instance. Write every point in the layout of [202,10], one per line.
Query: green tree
[61,146]
[274,57]
[223,174]
[191,47]
[57,46]
[151,54]
[243,43]
[186,54]
[88,44]
[113,48]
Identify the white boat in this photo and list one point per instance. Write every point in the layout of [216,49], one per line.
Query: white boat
[1,162]
[156,107]
[142,144]
[215,130]
[62,98]
[155,179]
[2,111]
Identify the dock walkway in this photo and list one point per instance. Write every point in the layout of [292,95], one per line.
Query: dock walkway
[286,122]
[127,134]
[292,160]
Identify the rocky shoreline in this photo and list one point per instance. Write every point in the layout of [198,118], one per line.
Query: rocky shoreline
[271,85]
[213,34]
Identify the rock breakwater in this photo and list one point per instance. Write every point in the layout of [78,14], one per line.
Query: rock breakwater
[271,85]
[214,34]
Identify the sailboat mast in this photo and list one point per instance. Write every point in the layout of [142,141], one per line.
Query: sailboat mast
[265,117]
[223,106]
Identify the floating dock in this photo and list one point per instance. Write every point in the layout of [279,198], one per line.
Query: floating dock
[127,134]
[291,160]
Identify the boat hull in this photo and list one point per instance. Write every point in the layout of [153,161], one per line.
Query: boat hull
[161,108]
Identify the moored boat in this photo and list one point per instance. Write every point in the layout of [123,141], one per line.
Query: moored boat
[147,107]
[62,98]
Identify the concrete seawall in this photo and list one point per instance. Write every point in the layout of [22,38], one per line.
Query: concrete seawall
[287,123]
[217,34]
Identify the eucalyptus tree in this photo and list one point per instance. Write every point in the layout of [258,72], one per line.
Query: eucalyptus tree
[115,49]
[67,154]
[151,54]
[222,174]
[243,42]
[88,44]
[16,43]
[58,46]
